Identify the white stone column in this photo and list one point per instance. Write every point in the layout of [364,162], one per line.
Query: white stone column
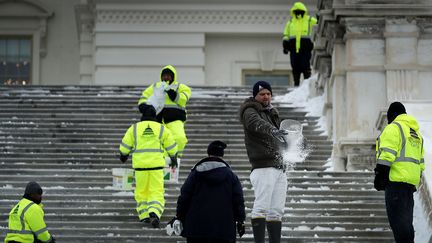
[401,38]
[85,26]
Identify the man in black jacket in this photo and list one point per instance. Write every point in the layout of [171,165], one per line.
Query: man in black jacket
[264,144]
[211,204]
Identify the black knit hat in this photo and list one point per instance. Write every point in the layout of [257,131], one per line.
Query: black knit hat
[33,188]
[394,110]
[216,148]
[258,86]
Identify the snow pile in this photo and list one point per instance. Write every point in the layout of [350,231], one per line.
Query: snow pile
[299,97]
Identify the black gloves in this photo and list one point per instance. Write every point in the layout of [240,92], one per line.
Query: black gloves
[172,94]
[123,158]
[241,228]
[144,107]
[285,46]
[381,177]
[173,161]
[279,134]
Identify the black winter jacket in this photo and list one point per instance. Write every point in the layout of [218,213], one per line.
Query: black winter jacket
[211,201]
[263,149]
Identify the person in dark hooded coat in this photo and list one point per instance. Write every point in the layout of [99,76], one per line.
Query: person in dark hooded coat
[211,203]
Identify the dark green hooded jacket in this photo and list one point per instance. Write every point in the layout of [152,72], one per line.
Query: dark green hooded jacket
[262,147]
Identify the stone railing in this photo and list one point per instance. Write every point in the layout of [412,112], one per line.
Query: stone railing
[426,199]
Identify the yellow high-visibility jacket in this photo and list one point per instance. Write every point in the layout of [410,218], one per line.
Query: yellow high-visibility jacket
[172,109]
[298,29]
[400,146]
[26,221]
[147,140]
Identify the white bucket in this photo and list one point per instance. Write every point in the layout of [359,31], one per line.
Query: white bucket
[123,179]
[171,174]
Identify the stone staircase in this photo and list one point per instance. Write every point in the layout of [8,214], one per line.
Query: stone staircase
[67,138]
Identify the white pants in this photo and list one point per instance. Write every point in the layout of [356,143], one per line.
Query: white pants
[270,186]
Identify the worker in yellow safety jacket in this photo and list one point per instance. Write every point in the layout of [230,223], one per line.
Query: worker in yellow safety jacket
[173,114]
[146,141]
[400,163]
[297,41]
[26,219]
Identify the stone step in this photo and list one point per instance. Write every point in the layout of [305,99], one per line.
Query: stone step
[8,135]
[115,164]
[134,224]
[109,150]
[87,162]
[11,126]
[294,183]
[315,193]
[320,236]
[12,121]
[122,207]
[193,144]
[105,187]
[199,138]
[94,213]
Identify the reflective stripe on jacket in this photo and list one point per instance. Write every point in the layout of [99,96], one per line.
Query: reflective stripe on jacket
[147,141]
[400,146]
[183,91]
[299,28]
[26,221]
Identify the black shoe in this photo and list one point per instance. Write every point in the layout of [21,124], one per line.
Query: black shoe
[154,220]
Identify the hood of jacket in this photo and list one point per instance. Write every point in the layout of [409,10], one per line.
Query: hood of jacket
[212,170]
[252,103]
[172,69]
[298,6]
[408,120]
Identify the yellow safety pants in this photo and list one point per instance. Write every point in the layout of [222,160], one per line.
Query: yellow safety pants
[149,192]
[177,130]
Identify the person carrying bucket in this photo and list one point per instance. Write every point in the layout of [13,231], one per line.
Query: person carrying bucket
[146,141]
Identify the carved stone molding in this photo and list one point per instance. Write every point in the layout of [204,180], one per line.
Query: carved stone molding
[401,84]
[234,17]
[425,25]
[381,121]
[368,27]
[325,4]
[360,153]
[84,19]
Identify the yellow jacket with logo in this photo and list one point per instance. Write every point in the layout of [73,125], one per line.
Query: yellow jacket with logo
[173,110]
[147,140]
[400,146]
[26,221]
[298,31]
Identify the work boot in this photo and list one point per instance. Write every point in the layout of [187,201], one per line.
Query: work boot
[274,231]
[307,74]
[154,220]
[258,228]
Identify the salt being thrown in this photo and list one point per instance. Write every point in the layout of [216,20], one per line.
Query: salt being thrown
[296,150]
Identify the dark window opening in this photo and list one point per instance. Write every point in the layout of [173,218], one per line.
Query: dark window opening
[15,60]
[276,78]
